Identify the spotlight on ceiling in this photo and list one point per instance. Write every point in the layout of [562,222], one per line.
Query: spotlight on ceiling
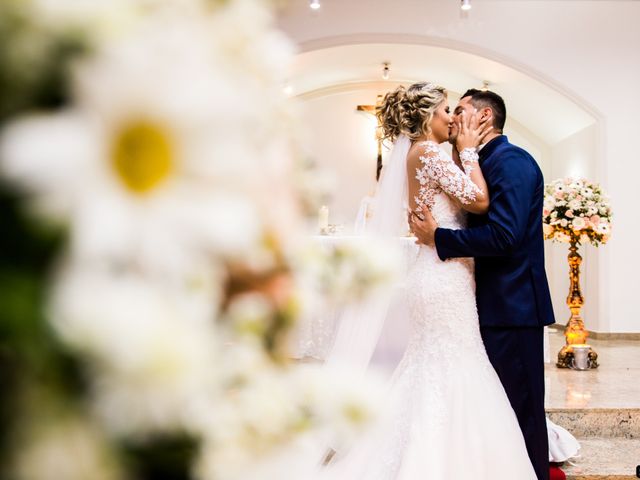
[465,4]
[314,4]
[485,85]
[385,70]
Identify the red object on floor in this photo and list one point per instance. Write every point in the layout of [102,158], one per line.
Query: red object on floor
[556,474]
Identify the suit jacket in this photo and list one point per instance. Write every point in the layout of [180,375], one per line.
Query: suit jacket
[507,242]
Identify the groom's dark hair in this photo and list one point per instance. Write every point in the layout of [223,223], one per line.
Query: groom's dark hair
[485,98]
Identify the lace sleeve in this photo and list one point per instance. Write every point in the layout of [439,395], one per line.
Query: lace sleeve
[447,175]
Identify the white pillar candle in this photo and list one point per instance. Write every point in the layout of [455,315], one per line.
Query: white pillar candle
[323,218]
[580,357]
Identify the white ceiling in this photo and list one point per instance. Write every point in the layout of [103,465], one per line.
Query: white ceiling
[550,59]
[545,112]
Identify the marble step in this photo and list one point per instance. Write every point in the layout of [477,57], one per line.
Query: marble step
[599,422]
[605,459]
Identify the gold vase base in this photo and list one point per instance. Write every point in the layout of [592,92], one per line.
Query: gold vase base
[565,358]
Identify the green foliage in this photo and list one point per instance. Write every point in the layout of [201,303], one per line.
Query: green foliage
[34,61]
[30,356]
[162,458]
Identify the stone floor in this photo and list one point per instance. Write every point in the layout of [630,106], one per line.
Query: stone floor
[600,407]
[614,384]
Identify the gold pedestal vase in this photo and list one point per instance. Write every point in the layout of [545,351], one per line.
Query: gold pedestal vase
[575,332]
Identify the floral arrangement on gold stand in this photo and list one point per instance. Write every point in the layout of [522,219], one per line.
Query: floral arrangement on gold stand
[576,211]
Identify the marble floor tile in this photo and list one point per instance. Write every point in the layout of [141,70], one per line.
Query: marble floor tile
[614,384]
[604,459]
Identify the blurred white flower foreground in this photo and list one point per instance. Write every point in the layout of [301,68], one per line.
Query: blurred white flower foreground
[173,168]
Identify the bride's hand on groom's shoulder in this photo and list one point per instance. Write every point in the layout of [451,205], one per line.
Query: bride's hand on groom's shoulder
[423,226]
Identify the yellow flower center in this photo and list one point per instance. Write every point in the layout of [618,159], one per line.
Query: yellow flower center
[142,156]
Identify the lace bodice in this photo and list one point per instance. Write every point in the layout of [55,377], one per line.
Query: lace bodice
[437,173]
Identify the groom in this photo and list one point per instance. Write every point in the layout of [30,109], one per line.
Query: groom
[513,297]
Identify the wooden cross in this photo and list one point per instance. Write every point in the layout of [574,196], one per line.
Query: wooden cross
[371,109]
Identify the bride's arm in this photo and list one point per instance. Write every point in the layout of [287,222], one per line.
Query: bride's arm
[469,160]
[467,187]
[470,135]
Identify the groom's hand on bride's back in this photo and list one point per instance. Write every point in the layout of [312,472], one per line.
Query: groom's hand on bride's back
[423,226]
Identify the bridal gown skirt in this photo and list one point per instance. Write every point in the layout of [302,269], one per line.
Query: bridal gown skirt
[449,416]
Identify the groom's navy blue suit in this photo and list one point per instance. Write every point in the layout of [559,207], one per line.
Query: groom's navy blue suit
[513,297]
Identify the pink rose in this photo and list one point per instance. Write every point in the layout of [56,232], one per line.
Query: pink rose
[595,220]
[569,213]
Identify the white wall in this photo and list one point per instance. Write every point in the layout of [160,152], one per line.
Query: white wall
[585,49]
[342,141]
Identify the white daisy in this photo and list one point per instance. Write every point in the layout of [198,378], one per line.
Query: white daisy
[154,345]
[165,155]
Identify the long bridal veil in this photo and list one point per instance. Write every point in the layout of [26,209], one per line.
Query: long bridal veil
[390,200]
[360,326]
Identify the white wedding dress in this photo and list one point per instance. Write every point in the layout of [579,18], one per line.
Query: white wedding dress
[449,417]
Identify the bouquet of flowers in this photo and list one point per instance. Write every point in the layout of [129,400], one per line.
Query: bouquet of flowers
[576,211]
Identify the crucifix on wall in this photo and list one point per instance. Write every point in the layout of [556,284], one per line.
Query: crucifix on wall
[371,109]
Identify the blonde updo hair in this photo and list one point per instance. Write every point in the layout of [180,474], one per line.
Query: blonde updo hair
[408,111]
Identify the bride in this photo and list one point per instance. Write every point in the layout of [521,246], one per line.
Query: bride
[450,418]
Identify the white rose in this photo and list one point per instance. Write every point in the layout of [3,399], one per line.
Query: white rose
[578,223]
[575,204]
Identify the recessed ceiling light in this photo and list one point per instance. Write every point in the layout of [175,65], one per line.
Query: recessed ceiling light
[465,4]
[314,4]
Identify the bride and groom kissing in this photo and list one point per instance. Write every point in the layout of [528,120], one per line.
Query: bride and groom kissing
[467,398]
